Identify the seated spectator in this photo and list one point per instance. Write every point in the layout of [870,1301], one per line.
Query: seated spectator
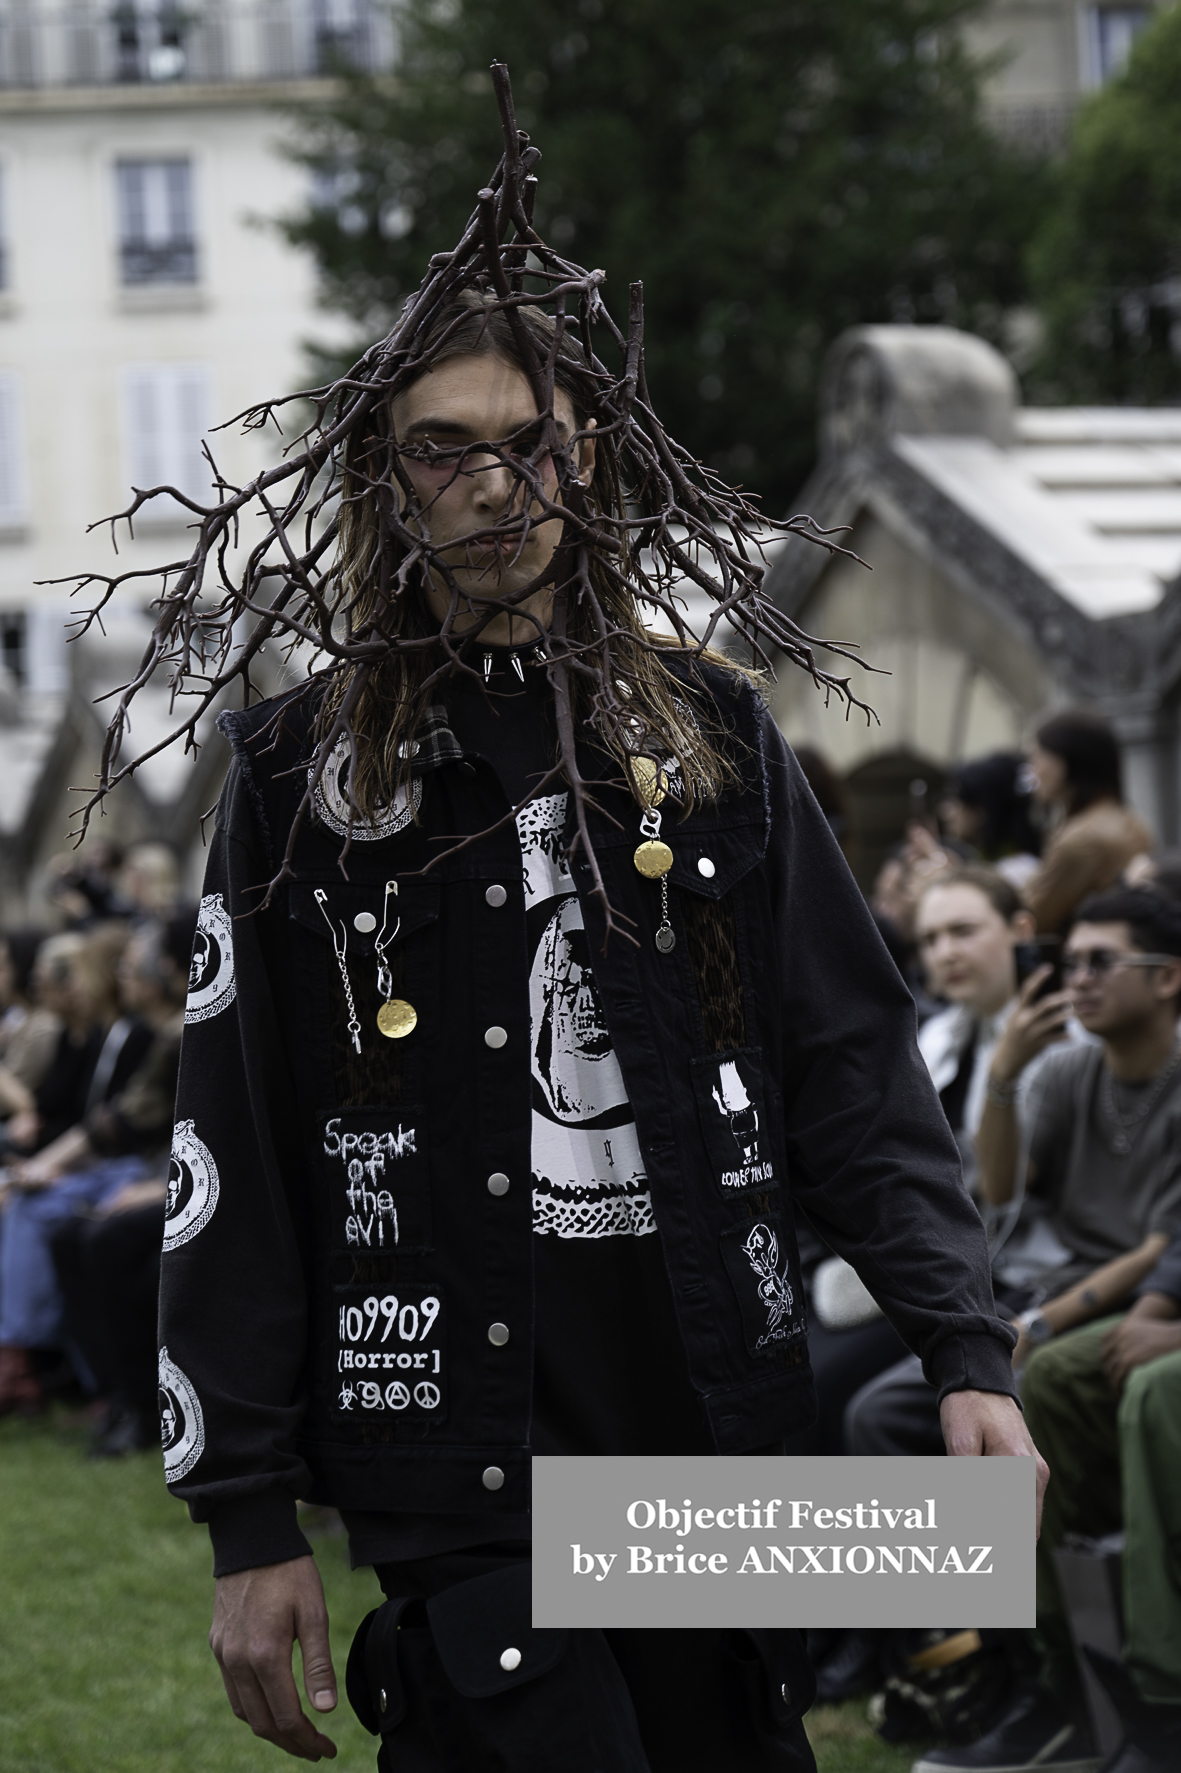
[97,1048]
[81,884]
[987,805]
[123,1130]
[28,1031]
[108,1267]
[1104,1406]
[1075,762]
[968,924]
[1104,1153]
[893,900]
[149,883]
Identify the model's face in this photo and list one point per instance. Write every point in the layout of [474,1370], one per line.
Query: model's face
[967,947]
[483,399]
[1049,775]
[1110,999]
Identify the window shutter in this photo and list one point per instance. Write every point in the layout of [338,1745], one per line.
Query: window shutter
[166,413]
[13,493]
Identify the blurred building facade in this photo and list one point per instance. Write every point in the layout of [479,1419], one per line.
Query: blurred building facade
[1047,55]
[144,299]
[1022,559]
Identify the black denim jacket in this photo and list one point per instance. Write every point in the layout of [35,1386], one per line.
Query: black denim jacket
[346,1302]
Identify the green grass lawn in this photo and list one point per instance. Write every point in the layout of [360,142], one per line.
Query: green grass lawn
[105,1596]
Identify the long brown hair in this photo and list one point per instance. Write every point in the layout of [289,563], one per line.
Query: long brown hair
[665,719]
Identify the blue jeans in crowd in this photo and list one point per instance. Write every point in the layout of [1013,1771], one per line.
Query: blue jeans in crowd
[30,1299]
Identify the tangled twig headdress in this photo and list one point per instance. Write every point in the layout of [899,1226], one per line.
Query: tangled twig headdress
[346,567]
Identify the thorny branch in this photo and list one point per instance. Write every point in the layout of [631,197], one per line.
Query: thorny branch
[682,524]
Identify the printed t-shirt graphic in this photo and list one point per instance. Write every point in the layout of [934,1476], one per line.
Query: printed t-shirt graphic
[588,1176]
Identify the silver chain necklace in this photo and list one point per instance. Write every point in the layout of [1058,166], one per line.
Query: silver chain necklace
[1128,1127]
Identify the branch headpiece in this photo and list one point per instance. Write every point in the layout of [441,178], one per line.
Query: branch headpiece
[346,571]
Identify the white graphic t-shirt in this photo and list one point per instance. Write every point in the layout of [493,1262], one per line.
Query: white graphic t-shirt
[588,1175]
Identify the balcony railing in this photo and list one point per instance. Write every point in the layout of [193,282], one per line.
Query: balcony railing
[164,44]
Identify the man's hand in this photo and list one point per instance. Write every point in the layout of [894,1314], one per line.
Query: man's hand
[1133,1343]
[1036,1023]
[985,1423]
[257,1616]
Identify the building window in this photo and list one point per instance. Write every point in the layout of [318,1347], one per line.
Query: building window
[156,243]
[150,40]
[13,493]
[165,417]
[1111,32]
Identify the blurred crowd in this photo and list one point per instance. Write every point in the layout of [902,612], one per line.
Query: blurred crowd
[91,1016]
[1038,927]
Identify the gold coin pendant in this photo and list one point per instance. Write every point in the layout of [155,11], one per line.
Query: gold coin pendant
[397,1018]
[653,859]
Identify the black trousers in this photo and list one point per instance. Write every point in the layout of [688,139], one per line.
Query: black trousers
[109,1270]
[452,1674]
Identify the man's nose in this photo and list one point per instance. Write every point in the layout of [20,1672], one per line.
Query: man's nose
[495,483]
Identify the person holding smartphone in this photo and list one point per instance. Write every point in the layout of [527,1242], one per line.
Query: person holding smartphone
[1102,1152]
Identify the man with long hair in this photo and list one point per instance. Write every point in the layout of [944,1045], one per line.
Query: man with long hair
[545,965]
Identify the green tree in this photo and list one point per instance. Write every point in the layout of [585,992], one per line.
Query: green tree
[774,171]
[1106,263]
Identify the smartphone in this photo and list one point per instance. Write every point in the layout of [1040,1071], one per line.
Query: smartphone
[1040,951]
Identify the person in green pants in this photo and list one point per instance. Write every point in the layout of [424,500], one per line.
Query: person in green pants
[1103,1404]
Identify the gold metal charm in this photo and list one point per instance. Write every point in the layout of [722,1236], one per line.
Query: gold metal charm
[649,780]
[653,859]
[397,1018]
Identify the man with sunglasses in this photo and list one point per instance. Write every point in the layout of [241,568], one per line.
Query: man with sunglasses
[1101,1152]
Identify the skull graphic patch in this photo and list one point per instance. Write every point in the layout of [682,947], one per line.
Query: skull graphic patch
[182,1426]
[730,1107]
[759,1257]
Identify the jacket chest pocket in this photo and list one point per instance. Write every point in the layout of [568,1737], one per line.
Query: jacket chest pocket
[369,947]
[365,921]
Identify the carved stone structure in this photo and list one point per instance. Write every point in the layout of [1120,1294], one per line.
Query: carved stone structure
[1022,559]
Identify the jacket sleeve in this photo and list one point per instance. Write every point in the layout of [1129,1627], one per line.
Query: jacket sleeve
[871,1158]
[232,1290]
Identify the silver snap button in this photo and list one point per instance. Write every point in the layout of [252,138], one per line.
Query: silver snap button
[384,1700]
[498,1335]
[364,922]
[496,897]
[493,1478]
[498,1183]
[785,1690]
[706,868]
[494,1037]
[510,1659]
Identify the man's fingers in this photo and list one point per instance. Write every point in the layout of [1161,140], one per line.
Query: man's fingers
[319,1676]
[231,1687]
[268,1692]
[282,1697]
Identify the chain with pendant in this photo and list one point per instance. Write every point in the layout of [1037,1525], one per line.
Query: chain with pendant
[395,1017]
[652,857]
[1125,1129]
